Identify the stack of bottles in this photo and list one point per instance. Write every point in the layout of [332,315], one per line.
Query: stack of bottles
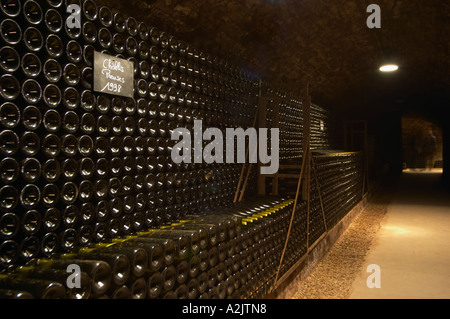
[232,253]
[80,167]
[291,130]
[340,179]
[289,119]
[87,182]
[319,128]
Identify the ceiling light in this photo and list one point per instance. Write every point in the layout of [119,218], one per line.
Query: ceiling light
[389,68]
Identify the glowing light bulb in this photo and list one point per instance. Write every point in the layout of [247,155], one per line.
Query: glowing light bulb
[389,68]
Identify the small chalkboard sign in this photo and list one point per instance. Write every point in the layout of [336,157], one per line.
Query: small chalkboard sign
[113,75]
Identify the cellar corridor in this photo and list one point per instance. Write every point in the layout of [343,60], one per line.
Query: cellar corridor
[412,246]
[156,149]
[404,230]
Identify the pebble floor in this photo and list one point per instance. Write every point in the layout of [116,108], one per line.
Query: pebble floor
[332,278]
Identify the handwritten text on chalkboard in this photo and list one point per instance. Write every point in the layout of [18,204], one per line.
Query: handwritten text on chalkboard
[113,75]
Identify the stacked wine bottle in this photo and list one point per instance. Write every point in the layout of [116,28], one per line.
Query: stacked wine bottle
[340,180]
[232,253]
[87,179]
[291,129]
[289,120]
[79,166]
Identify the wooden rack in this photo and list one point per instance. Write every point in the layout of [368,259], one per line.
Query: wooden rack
[304,177]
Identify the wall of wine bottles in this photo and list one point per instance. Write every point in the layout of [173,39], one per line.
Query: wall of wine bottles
[83,166]
[289,119]
[86,178]
[340,180]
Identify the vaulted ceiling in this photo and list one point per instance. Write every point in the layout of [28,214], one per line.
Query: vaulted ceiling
[325,42]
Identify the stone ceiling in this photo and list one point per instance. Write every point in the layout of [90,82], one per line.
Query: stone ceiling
[325,42]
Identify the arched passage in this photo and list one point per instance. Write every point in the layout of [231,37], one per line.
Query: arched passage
[422,143]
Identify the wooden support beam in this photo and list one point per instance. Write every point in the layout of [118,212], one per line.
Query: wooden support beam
[276,124]
[305,164]
[262,123]
[306,141]
[236,194]
[289,166]
[286,175]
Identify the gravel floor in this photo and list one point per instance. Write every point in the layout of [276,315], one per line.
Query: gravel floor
[335,273]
